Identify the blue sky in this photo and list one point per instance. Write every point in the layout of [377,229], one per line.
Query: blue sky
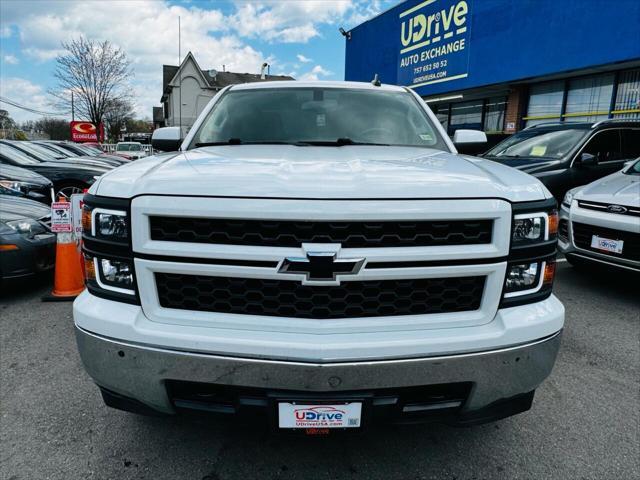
[297,37]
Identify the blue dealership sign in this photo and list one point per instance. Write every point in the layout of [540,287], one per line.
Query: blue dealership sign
[433,42]
[439,46]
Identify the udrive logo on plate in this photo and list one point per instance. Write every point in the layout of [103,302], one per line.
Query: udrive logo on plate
[318,416]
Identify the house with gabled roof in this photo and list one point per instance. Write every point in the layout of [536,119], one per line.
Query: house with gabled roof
[186,89]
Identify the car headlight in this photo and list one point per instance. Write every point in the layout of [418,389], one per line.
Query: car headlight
[534,228]
[27,227]
[17,186]
[568,197]
[529,277]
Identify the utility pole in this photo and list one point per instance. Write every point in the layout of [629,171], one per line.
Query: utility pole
[73,110]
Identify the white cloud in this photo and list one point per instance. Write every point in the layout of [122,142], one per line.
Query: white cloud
[10,59]
[149,36]
[26,93]
[303,59]
[287,22]
[315,73]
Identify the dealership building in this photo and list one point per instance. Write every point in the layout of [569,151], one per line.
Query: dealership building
[503,65]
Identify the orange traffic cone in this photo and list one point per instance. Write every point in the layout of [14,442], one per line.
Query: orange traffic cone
[69,279]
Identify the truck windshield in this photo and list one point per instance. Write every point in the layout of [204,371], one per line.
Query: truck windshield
[536,143]
[318,116]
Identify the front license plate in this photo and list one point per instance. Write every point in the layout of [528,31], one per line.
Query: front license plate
[606,244]
[308,415]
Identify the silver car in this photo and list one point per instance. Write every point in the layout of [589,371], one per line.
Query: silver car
[600,222]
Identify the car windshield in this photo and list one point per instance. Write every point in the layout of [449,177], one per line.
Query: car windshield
[634,169]
[318,116]
[16,156]
[128,147]
[537,143]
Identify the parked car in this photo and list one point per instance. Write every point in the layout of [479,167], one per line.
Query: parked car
[600,222]
[44,155]
[67,177]
[566,155]
[27,245]
[132,150]
[318,247]
[63,153]
[21,182]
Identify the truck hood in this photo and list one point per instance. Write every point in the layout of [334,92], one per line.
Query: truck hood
[618,188]
[346,172]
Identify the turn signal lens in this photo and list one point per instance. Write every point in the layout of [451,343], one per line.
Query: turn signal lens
[553,224]
[86,220]
[8,247]
[549,272]
[89,269]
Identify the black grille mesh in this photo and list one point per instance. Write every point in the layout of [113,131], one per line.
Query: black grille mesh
[582,235]
[292,299]
[277,233]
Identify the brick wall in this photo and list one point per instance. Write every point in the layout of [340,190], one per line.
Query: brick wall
[516,104]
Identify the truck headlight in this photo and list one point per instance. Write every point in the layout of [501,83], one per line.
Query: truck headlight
[109,274]
[527,278]
[534,228]
[108,257]
[568,197]
[106,224]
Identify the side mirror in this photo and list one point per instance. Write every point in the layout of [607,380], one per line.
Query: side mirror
[167,139]
[588,160]
[462,137]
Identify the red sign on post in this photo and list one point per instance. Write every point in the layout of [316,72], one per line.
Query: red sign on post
[86,132]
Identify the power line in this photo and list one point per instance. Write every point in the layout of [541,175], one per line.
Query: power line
[28,109]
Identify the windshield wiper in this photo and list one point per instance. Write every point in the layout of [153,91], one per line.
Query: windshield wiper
[237,141]
[336,143]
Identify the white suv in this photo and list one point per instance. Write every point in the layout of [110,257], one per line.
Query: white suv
[319,253]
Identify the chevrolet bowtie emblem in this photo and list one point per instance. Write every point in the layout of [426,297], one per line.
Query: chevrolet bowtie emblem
[321,266]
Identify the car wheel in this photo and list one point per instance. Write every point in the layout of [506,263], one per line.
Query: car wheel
[66,190]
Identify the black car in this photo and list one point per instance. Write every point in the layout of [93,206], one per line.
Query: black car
[80,151]
[67,177]
[566,155]
[21,182]
[27,245]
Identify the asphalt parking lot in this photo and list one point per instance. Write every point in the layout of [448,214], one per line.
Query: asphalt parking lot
[584,424]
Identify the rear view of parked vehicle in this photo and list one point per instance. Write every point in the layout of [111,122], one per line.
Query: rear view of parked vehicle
[27,245]
[600,222]
[133,150]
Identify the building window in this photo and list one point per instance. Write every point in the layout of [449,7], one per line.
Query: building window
[589,98]
[627,103]
[545,102]
[466,115]
[495,108]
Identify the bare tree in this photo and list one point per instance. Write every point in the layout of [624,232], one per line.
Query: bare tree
[118,112]
[96,73]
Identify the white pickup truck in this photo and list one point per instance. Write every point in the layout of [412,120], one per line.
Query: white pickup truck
[318,253]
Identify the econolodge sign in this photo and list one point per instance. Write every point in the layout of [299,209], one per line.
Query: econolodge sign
[434,42]
[86,132]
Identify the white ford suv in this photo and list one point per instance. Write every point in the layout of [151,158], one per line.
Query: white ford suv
[319,253]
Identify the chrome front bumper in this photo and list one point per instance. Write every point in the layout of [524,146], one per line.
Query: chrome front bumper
[139,372]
